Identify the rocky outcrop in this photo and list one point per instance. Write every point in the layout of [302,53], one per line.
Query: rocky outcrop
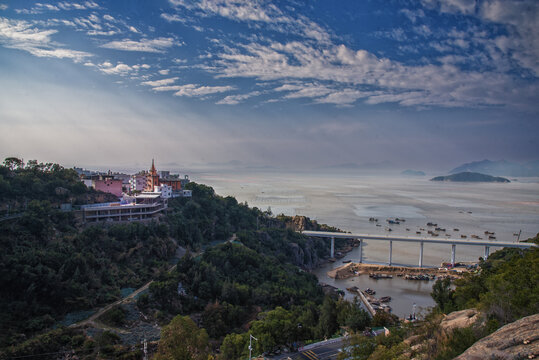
[458,320]
[518,340]
[300,223]
[306,256]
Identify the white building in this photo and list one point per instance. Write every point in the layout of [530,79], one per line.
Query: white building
[164,190]
[137,182]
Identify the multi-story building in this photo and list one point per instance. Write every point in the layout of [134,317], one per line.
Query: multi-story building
[108,185]
[137,182]
[145,206]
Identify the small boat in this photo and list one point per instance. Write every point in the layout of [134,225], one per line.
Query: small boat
[431,224]
[346,261]
[463,236]
[456,229]
[491,237]
[385,299]
[418,232]
[370,291]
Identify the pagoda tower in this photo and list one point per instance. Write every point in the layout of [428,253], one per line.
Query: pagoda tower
[152,178]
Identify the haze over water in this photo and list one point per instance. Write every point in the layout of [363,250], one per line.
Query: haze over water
[347,201]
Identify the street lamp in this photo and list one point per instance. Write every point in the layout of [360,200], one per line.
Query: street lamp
[251,345]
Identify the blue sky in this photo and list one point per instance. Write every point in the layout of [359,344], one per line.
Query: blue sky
[423,84]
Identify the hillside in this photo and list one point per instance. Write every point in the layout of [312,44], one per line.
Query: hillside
[499,168]
[412,173]
[470,177]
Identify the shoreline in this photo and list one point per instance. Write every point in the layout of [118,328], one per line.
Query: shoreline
[356,269]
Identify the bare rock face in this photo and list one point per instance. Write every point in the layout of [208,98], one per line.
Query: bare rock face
[458,319]
[300,223]
[518,340]
[305,257]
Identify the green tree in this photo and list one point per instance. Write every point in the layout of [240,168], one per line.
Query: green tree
[235,347]
[442,294]
[328,324]
[181,339]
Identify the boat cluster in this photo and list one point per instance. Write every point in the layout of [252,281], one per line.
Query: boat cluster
[434,233]
[425,277]
[380,276]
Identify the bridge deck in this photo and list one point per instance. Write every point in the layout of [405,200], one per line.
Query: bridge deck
[336,235]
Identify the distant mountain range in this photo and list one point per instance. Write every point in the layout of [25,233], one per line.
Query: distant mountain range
[412,173]
[384,165]
[500,168]
[470,177]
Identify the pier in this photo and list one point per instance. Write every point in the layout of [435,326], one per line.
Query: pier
[421,240]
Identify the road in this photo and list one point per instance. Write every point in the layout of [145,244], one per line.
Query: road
[321,352]
[91,320]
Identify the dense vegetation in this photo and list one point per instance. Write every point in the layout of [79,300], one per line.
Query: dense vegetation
[49,266]
[470,177]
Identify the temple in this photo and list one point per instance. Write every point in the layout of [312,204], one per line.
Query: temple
[153,179]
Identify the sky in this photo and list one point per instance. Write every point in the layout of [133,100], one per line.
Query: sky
[295,84]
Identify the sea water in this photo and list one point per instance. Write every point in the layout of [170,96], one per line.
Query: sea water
[348,200]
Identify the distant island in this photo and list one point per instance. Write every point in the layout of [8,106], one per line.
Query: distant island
[413,173]
[470,177]
[499,168]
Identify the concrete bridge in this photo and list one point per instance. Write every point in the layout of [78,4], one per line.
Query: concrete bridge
[421,240]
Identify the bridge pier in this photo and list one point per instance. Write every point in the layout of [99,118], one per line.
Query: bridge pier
[453,249]
[487,251]
[421,254]
[332,251]
[390,253]
[360,251]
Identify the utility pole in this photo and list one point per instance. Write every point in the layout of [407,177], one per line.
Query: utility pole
[145,347]
[518,238]
[251,337]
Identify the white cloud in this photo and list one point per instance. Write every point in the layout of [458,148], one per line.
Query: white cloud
[108,17]
[133,29]
[236,99]
[120,68]
[101,33]
[193,90]
[351,70]
[413,15]
[157,45]
[65,5]
[304,90]
[452,6]
[164,71]
[521,19]
[162,82]
[3,7]
[254,11]
[343,97]
[22,35]
[172,17]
